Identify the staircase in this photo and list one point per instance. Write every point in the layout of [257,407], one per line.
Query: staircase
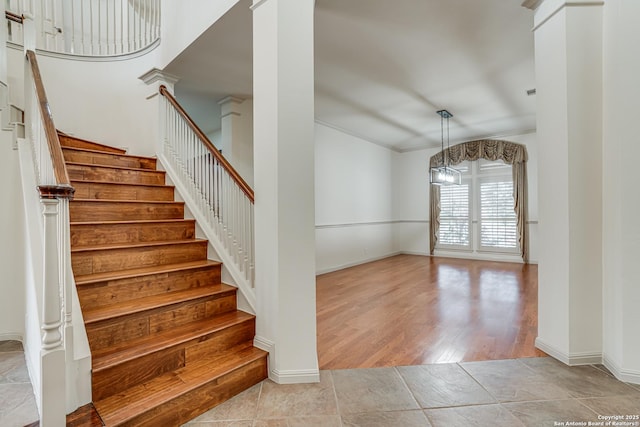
[166,338]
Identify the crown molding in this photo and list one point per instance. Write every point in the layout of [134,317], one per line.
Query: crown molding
[549,8]
[531,4]
[155,75]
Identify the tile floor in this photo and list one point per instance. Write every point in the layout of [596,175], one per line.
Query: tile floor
[534,392]
[17,403]
[520,392]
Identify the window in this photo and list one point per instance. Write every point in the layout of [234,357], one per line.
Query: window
[454,216]
[478,215]
[498,223]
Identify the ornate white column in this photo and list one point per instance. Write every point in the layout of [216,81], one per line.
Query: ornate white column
[283,91]
[154,78]
[237,134]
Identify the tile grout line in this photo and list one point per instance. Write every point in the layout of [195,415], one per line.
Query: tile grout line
[255,417]
[395,368]
[498,401]
[589,408]
[479,383]
[420,408]
[335,396]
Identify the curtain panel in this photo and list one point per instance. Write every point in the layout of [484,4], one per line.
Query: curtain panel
[489,149]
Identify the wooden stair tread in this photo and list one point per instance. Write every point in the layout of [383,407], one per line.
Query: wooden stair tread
[126,405]
[123,352]
[155,202]
[133,184]
[133,221]
[111,246]
[96,144]
[88,150]
[155,301]
[94,165]
[144,271]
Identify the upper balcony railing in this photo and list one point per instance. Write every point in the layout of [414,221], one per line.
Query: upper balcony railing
[93,28]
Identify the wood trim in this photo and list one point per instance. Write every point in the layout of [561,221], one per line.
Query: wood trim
[56,191]
[13,17]
[57,158]
[248,191]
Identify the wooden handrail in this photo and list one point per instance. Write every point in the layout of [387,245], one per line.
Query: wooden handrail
[13,17]
[57,158]
[248,191]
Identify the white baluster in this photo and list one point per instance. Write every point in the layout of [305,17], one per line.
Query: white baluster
[64,249]
[226,209]
[82,34]
[122,31]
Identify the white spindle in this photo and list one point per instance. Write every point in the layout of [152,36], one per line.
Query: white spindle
[66,274]
[95,27]
[216,194]
[82,33]
[139,30]
[122,50]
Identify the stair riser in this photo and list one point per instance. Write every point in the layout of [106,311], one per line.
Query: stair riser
[108,382]
[91,190]
[115,291]
[81,211]
[188,406]
[100,234]
[115,331]
[189,370]
[67,141]
[102,261]
[71,155]
[106,174]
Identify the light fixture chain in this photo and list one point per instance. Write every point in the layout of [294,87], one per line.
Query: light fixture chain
[442,138]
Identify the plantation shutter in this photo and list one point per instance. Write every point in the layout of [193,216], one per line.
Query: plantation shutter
[454,215]
[498,221]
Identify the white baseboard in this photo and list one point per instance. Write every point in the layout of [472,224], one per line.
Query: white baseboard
[264,344]
[285,377]
[625,375]
[414,253]
[571,359]
[11,336]
[295,377]
[353,264]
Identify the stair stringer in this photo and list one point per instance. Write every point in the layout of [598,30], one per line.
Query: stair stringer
[247,293]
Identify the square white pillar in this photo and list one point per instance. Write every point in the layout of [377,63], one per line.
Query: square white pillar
[283,97]
[568,49]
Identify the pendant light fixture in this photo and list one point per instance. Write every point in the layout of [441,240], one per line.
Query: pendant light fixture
[444,174]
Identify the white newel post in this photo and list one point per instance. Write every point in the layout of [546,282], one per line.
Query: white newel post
[154,78]
[283,91]
[51,304]
[53,370]
[568,53]
[29,32]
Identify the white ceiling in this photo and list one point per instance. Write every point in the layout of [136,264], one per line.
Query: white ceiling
[383,68]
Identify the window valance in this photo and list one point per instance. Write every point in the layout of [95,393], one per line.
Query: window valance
[490,149]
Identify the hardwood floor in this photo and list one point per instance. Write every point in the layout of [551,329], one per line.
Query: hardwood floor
[413,310]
